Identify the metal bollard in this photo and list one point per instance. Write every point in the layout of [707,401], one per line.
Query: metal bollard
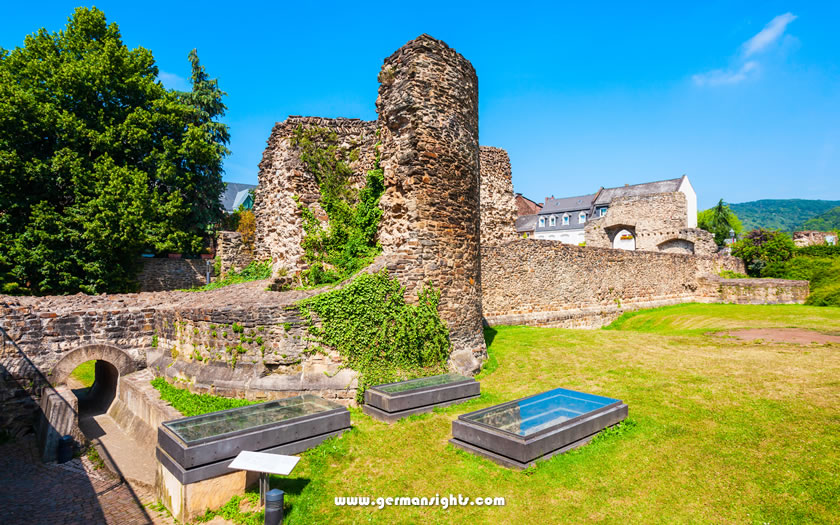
[274,507]
[65,449]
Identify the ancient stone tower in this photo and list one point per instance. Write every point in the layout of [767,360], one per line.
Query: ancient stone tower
[428,121]
[430,228]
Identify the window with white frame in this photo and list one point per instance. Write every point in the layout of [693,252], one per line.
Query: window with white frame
[542,222]
[581,218]
[553,221]
[602,212]
[565,220]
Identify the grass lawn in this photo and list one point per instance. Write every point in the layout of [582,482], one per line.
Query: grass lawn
[85,373]
[724,430]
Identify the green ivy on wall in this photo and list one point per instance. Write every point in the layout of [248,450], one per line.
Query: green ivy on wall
[379,335]
[347,242]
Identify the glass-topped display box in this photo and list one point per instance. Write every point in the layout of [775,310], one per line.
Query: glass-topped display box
[519,432]
[214,425]
[200,447]
[393,401]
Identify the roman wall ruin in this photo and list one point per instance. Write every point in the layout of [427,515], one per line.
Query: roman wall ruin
[498,205]
[284,180]
[428,117]
[658,222]
[547,283]
[157,275]
[440,186]
[813,237]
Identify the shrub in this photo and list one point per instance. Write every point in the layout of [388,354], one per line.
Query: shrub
[819,250]
[825,296]
[761,247]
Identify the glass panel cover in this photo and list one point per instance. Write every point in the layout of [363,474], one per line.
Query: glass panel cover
[422,382]
[234,420]
[537,413]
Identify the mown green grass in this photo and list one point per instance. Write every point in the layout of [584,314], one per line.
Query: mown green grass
[85,373]
[701,318]
[723,431]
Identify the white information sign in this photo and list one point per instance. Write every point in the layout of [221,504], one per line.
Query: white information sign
[265,464]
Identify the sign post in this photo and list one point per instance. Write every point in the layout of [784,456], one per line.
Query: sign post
[265,464]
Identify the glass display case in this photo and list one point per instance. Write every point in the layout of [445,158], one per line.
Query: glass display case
[393,401]
[520,432]
[201,447]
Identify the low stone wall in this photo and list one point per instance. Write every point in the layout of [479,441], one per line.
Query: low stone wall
[138,408]
[160,275]
[762,291]
[547,283]
[232,252]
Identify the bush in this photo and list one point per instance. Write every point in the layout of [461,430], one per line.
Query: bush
[823,273]
[760,248]
[825,296]
[819,250]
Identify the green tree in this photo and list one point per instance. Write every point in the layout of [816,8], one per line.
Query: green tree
[719,221]
[99,161]
[760,248]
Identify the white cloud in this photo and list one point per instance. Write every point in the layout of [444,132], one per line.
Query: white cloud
[720,77]
[768,35]
[173,81]
[744,69]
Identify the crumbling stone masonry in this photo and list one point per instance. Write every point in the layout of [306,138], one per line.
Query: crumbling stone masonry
[428,118]
[546,283]
[232,252]
[283,178]
[158,275]
[813,237]
[657,221]
[498,205]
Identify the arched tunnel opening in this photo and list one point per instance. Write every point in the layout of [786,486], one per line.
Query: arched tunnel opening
[95,385]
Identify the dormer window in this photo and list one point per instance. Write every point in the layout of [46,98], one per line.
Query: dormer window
[582,218]
[602,212]
[565,220]
[542,222]
[553,221]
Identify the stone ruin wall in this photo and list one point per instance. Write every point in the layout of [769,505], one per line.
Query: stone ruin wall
[232,252]
[812,237]
[548,283]
[659,221]
[498,205]
[283,177]
[160,274]
[428,119]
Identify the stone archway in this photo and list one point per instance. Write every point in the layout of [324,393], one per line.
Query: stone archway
[120,360]
[677,245]
[624,240]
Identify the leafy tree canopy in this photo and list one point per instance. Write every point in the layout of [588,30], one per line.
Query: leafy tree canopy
[760,248]
[99,161]
[719,221]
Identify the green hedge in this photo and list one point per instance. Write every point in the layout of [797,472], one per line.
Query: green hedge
[822,272]
[819,250]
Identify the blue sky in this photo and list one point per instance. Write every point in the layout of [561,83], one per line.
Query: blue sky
[742,97]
